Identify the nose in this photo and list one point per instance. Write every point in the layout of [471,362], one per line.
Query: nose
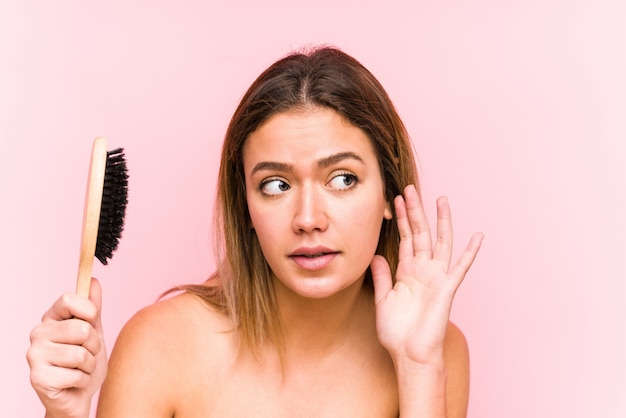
[310,210]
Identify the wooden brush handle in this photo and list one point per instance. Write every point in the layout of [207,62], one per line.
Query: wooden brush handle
[91,215]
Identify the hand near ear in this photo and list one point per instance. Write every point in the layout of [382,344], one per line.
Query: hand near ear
[412,315]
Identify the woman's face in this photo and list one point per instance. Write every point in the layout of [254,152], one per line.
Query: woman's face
[316,200]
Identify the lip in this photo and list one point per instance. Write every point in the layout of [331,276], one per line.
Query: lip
[313,258]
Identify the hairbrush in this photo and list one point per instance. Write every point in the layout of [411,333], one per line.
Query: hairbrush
[105,207]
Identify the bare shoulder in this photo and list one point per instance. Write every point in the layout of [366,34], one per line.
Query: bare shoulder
[455,346]
[177,323]
[456,356]
[175,317]
[153,351]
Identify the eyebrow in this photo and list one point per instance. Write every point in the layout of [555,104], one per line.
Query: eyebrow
[321,163]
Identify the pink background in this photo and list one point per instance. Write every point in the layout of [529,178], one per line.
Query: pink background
[517,110]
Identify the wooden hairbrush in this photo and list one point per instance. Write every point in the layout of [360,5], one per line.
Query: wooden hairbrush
[105,207]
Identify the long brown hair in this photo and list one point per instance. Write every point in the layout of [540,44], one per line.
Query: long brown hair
[321,77]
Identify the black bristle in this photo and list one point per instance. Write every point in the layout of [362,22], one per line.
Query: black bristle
[114,201]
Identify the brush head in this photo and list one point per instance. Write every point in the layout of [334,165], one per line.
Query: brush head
[113,209]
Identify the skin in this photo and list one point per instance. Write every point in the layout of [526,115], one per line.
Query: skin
[309,174]
[347,352]
[67,356]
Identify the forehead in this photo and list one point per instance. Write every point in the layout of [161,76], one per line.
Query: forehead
[300,135]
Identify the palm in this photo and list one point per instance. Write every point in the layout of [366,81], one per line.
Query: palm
[412,315]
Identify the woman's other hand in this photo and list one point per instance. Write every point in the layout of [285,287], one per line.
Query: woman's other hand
[67,356]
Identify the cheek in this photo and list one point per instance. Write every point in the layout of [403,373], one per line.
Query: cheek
[265,225]
[363,226]
[253,212]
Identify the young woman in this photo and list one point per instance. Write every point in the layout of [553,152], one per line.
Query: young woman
[330,298]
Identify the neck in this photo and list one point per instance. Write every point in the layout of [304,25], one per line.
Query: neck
[315,327]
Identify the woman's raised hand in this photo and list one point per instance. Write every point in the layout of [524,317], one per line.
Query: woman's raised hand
[67,356]
[412,314]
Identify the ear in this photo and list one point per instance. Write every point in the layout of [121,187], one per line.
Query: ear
[388,214]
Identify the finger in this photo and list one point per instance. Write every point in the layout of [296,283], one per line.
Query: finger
[46,362]
[405,249]
[71,305]
[467,257]
[53,379]
[96,296]
[95,293]
[381,277]
[420,231]
[70,331]
[71,357]
[443,245]
[75,357]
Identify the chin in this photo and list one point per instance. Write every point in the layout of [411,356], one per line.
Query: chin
[318,288]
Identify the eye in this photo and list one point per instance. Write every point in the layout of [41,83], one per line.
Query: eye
[343,181]
[274,187]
